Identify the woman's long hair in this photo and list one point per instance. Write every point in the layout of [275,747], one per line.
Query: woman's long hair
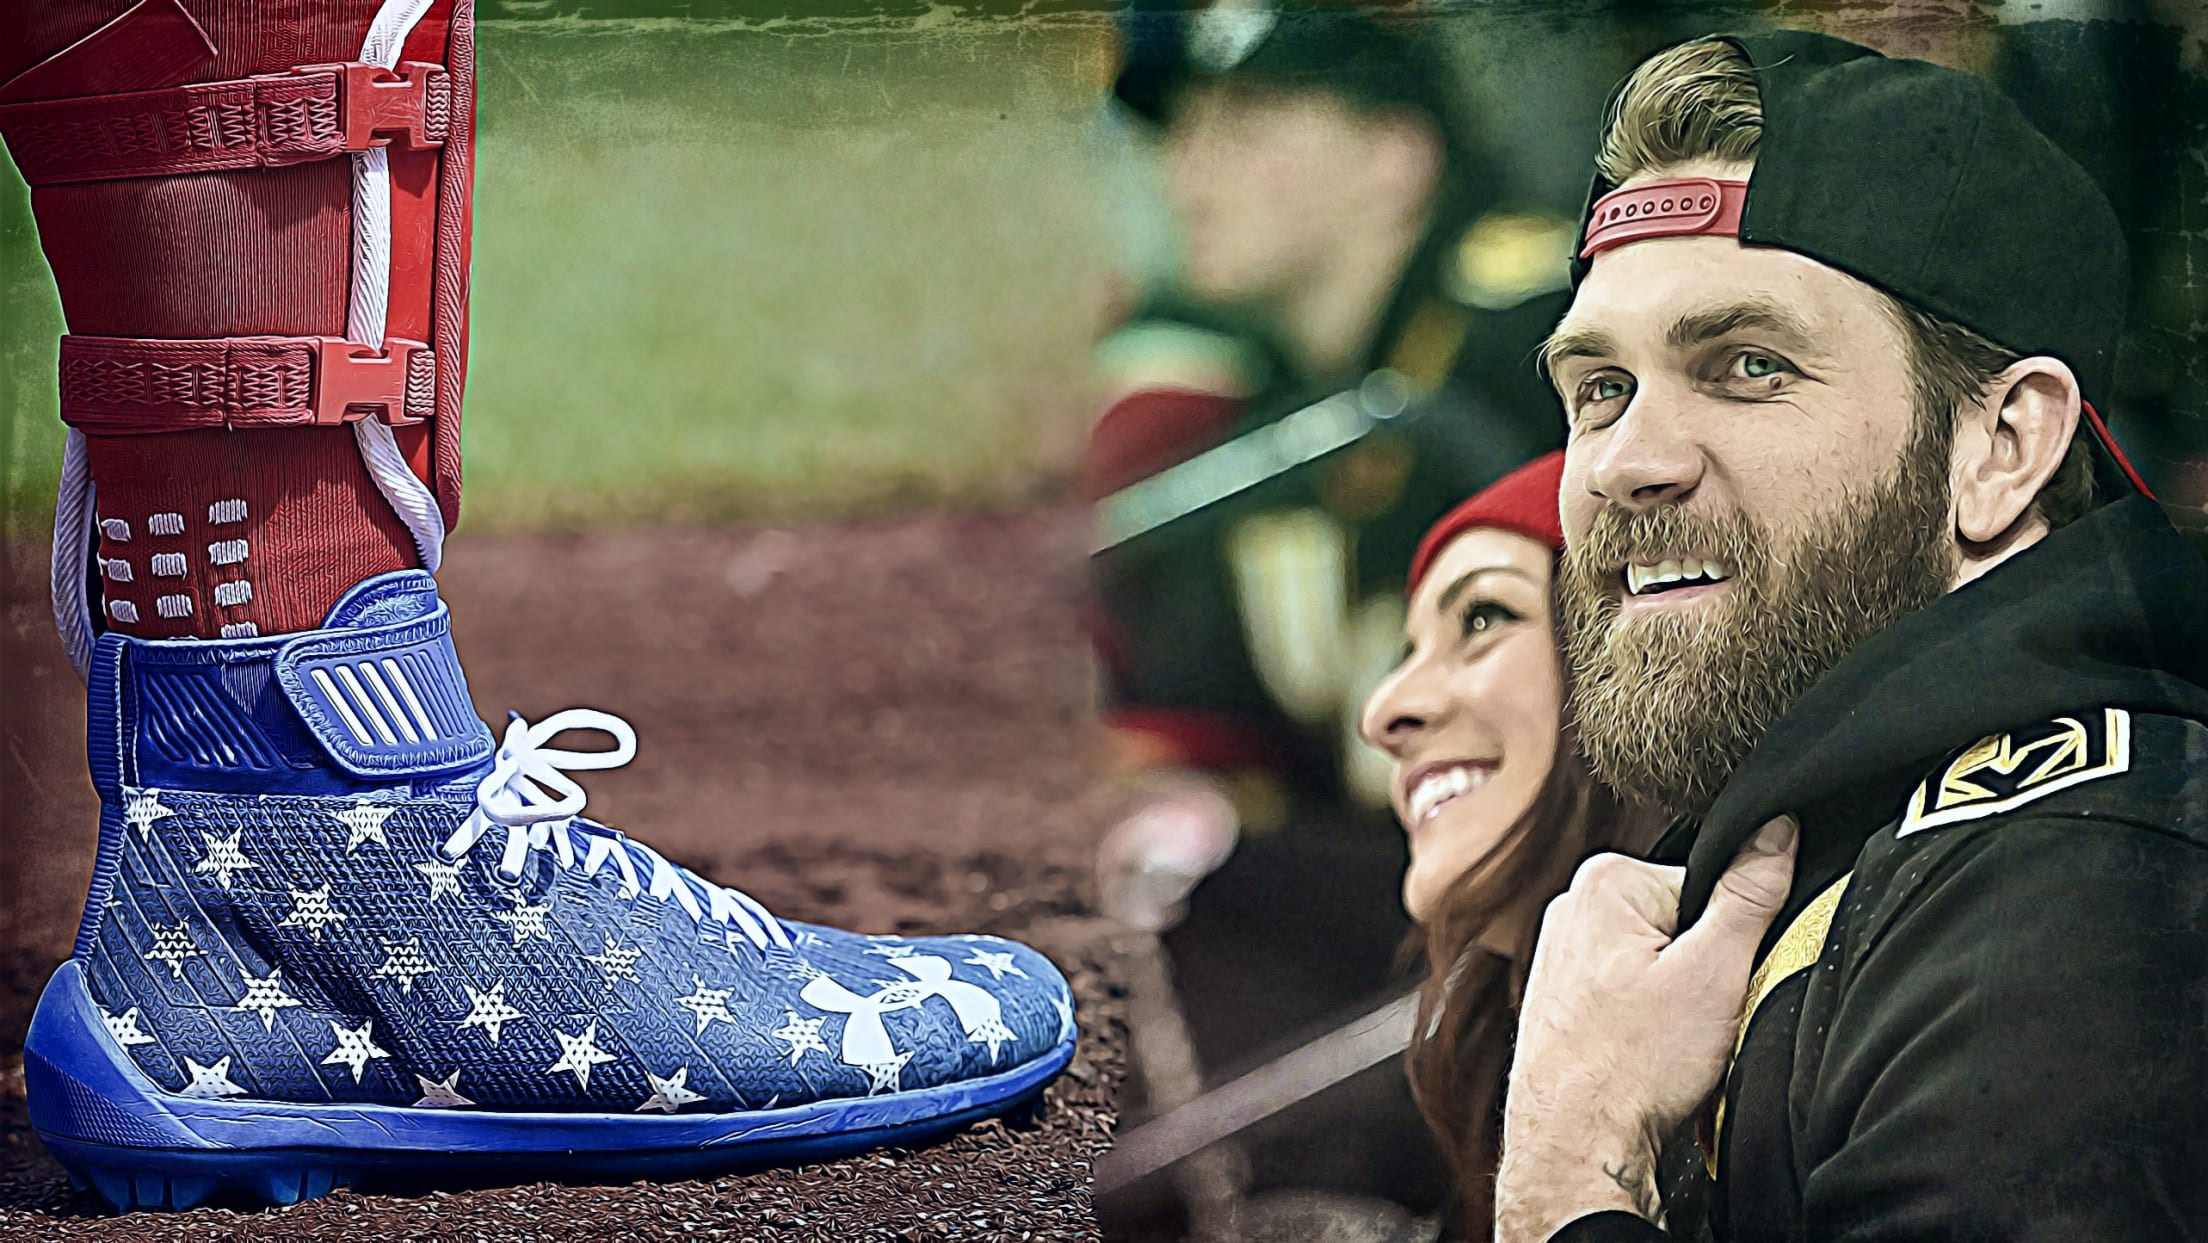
[1468,1006]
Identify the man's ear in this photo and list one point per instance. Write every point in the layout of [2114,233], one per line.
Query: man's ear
[2008,446]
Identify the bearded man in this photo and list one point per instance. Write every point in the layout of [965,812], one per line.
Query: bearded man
[1859,588]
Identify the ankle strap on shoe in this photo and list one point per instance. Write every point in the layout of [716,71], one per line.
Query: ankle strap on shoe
[386,701]
[380,691]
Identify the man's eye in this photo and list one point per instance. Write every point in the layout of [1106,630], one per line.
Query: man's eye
[1598,396]
[1751,365]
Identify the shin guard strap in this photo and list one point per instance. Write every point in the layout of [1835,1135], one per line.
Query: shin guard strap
[116,386]
[315,112]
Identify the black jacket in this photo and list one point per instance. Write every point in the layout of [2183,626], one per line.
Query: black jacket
[1983,1012]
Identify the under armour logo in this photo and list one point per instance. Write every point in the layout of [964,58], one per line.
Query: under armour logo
[866,1041]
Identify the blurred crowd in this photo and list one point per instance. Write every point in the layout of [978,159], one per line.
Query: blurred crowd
[1349,228]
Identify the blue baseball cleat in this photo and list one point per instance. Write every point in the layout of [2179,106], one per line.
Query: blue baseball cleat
[337,932]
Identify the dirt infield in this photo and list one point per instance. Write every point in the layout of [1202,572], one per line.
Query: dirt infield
[881,725]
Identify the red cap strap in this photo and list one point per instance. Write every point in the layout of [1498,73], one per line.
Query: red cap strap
[115,386]
[1680,207]
[312,113]
[2116,451]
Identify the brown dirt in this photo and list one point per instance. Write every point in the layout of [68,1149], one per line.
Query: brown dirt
[880,725]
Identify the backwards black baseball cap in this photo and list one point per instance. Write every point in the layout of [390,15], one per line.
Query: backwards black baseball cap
[1923,181]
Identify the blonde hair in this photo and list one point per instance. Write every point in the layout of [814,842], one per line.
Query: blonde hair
[1695,101]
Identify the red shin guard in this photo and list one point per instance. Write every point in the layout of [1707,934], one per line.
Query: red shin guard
[192,168]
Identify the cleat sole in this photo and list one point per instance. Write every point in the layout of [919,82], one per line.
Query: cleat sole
[140,1146]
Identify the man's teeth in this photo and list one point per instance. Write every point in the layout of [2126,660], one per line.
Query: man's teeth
[1685,571]
[1438,788]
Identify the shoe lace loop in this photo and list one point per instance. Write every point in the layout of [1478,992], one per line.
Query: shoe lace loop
[528,793]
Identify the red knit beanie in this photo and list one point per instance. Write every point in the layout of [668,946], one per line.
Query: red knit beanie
[1523,502]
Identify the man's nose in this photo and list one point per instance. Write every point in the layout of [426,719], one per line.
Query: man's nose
[1646,459]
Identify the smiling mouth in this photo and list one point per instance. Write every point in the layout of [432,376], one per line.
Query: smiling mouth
[1645,579]
[1437,789]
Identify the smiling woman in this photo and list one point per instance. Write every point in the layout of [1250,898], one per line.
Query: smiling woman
[1488,783]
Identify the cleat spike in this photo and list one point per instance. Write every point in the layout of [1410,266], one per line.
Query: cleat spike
[113,1188]
[279,1187]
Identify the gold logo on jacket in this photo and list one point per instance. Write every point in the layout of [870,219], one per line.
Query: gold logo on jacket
[2006,771]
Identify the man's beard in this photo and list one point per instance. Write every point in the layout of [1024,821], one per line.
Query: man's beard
[1668,703]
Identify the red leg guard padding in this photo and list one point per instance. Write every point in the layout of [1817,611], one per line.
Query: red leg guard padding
[251,252]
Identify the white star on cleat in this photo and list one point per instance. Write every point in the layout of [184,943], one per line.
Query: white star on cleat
[526,920]
[124,1027]
[209,1082]
[578,1054]
[364,823]
[999,965]
[1065,1016]
[443,878]
[990,1031]
[405,963]
[264,997]
[354,1049]
[311,910]
[172,945]
[489,1011]
[617,963]
[440,1093]
[669,1094]
[892,951]
[224,858]
[883,1076]
[707,1004]
[802,1035]
[144,810]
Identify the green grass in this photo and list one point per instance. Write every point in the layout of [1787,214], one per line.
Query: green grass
[729,274]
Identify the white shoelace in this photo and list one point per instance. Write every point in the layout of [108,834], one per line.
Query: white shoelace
[513,796]
[366,311]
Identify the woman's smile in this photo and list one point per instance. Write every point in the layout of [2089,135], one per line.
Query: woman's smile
[1430,787]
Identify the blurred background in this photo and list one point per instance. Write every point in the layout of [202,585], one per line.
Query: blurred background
[795,322]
